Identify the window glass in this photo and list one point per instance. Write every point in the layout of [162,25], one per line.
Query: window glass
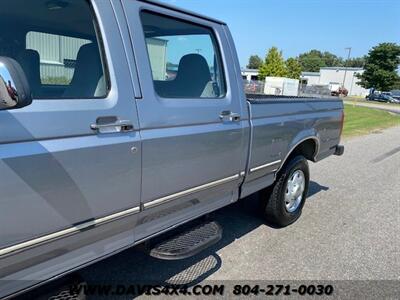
[56,43]
[58,56]
[184,57]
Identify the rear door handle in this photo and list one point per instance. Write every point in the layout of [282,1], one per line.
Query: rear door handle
[112,125]
[228,116]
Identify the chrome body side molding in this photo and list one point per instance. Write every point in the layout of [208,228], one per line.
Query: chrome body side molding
[69,231]
[100,221]
[259,168]
[189,191]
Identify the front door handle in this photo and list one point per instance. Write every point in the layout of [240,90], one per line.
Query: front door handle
[228,116]
[112,125]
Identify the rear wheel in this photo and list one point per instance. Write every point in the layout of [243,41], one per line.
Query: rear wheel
[284,201]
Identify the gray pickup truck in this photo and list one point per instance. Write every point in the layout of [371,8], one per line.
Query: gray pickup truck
[123,119]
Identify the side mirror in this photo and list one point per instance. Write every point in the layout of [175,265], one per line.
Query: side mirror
[14,87]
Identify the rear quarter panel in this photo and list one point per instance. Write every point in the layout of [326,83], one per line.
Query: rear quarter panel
[326,121]
[279,125]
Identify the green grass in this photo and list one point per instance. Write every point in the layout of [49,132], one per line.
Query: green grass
[361,120]
[354,98]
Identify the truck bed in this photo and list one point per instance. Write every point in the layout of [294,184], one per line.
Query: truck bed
[280,123]
[261,98]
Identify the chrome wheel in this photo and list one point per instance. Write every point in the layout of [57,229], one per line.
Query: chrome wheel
[294,191]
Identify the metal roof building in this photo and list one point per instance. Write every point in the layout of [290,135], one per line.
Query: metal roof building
[339,76]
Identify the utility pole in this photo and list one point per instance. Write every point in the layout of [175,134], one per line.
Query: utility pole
[345,67]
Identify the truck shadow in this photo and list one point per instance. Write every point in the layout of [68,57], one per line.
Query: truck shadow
[134,266]
[314,188]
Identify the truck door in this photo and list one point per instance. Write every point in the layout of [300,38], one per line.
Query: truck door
[190,116]
[70,163]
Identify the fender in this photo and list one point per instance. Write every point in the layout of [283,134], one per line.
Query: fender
[303,136]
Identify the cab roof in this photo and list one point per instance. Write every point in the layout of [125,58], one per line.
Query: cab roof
[178,9]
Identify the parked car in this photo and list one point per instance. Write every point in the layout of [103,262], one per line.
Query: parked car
[382,97]
[99,152]
[341,91]
[337,89]
[395,94]
[395,100]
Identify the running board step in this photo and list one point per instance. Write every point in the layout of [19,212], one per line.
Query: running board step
[189,242]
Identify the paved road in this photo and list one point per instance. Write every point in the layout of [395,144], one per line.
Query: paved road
[394,108]
[349,230]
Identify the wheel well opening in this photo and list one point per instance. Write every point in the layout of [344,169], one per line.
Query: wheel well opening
[308,149]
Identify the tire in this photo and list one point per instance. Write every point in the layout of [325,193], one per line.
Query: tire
[277,210]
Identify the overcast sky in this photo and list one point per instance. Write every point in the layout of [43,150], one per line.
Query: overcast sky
[296,26]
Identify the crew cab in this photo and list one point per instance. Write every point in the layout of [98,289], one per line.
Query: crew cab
[123,119]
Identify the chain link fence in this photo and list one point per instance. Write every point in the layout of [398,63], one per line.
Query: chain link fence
[254,87]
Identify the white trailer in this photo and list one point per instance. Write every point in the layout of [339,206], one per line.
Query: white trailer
[281,86]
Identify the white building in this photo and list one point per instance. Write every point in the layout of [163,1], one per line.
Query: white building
[327,76]
[158,57]
[336,76]
[310,78]
[250,74]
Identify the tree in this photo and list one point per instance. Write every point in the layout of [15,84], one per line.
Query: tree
[274,64]
[356,62]
[311,61]
[396,85]
[314,60]
[255,62]
[380,67]
[331,60]
[293,68]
